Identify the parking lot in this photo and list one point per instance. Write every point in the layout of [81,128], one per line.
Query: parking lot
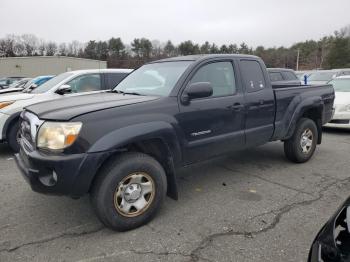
[250,206]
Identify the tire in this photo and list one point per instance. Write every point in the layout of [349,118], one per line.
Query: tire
[12,137]
[118,185]
[299,151]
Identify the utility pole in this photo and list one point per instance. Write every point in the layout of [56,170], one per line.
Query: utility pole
[297,69]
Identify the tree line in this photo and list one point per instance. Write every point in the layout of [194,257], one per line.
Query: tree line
[331,51]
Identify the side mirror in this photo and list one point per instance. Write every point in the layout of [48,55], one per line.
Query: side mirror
[64,89]
[197,90]
[33,86]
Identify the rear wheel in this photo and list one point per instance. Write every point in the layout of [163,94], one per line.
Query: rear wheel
[301,146]
[13,137]
[129,191]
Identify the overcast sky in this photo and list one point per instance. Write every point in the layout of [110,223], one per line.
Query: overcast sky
[257,22]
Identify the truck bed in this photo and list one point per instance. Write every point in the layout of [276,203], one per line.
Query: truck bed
[291,100]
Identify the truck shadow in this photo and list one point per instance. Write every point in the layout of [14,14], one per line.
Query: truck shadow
[220,170]
[5,150]
[337,131]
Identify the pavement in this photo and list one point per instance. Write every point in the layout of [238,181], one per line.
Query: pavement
[249,206]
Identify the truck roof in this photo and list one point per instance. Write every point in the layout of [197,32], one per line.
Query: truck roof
[203,57]
[272,69]
[109,70]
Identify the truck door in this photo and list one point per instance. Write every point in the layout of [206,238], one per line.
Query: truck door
[213,125]
[259,102]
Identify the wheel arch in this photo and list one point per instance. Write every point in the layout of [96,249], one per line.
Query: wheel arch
[9,122]
[158,141]
[312,109]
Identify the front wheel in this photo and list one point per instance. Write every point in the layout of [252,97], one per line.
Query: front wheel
[301,146]
[129,191]
[13,137]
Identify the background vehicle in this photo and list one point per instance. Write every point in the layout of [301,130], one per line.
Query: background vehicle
[5,82]
[342,72]
[332,243]
[15,87]
[37,81]
[283,77]
[66,84]
[28,85]
[341,117]
[124,146]
[321,77]
[324,76]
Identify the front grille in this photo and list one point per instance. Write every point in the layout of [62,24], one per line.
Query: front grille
[29,126]
[340,121]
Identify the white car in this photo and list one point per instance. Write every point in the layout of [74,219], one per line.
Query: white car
[320,77]
[341,117]
[67,84]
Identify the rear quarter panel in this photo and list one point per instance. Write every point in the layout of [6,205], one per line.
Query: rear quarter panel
[291,103]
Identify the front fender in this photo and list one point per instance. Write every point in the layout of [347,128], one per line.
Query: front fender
[139,132]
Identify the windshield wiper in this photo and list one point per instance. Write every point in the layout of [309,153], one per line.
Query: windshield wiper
[125,93]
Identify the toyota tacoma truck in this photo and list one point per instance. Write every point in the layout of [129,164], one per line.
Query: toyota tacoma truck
[124,147]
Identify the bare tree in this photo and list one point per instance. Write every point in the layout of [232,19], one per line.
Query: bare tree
[2,47]
[74,47]
[30,43]
[8,46]
[51,48]
[42,48]
[62,49]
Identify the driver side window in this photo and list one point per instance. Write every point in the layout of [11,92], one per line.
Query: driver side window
[220,75]
[85,83]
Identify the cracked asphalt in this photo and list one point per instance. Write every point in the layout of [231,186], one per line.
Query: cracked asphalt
[250,206]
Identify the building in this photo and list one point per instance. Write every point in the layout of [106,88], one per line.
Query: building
[32,66]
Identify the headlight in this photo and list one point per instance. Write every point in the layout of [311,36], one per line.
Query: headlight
[58,135]
[7,103]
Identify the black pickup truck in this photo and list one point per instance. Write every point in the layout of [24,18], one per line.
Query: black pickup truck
[125,146]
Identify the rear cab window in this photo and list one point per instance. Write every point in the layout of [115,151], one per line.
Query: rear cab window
[253,76]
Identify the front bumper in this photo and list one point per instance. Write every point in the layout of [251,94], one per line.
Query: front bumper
[59,174]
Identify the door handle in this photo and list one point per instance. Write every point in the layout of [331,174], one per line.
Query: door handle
[261,102]
[237,107]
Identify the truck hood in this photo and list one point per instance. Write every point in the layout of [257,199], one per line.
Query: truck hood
[67,108]
[15,96]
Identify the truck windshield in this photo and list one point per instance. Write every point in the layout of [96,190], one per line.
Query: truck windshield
[153,79]
[341,85]
[51,83]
